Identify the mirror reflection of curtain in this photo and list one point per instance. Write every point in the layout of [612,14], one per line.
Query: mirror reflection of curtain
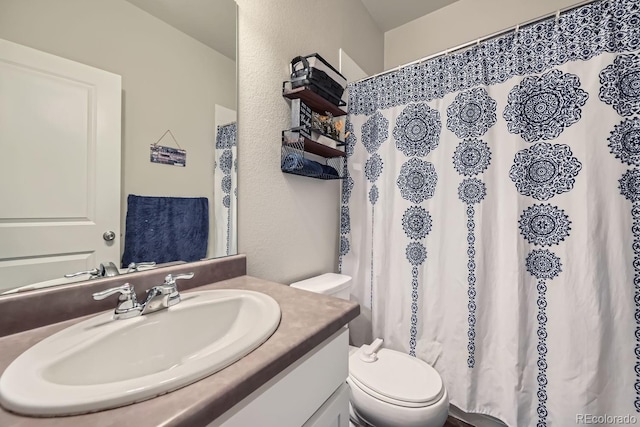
[225,190]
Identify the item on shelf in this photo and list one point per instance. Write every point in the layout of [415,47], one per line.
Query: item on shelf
[312,145]
[333,127]
[301,117]
[318,75]
[328,170]
[306,151]
[295,162]
[321,139]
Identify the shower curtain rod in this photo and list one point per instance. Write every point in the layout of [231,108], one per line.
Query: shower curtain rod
[481,39]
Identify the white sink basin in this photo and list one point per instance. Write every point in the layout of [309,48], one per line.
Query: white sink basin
[102,363]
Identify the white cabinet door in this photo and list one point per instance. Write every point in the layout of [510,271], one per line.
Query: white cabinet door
[60,175]
[334,412]
[292,397]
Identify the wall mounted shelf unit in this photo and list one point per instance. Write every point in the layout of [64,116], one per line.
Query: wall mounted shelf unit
[301,155]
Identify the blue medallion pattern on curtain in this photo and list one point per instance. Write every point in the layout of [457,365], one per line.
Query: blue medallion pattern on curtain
[544,170]
[546,150]
[620,88]
[629,186]
[373,133]
[471,157]
[621,84]
[417,183]
[550,104]
[417,133]
[373,167]
[346,188]
[417,130]
[625,141]
[579,34]
[416,223]
[544,225]
[542,107]
[470,115]
[417,180]
[471,191]
[542,264]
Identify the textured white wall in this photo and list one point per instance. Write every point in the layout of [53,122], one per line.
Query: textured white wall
[169,81]
[288,225]
[458,23]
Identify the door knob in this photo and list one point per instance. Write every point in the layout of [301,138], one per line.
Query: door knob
[109,236]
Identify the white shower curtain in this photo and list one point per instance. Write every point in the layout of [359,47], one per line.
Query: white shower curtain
[491,217]
[225,191]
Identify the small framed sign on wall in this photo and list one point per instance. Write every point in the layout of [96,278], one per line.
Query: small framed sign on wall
[168,155]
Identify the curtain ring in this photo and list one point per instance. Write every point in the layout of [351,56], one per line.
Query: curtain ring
[517,28]
[557,16]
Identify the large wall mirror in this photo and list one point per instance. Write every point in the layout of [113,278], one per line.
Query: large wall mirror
[154,81]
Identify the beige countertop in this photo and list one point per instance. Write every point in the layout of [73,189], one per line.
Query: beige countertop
[307,320]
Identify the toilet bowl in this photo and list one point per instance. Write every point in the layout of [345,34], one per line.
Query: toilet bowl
[387,388]
[396,390]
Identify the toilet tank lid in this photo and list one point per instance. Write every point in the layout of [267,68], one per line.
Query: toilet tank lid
[327,283]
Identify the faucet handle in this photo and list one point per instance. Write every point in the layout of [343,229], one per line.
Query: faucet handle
[135,266]
[126,292]
[169,287]
[170,280]
[127,302]
[94,272]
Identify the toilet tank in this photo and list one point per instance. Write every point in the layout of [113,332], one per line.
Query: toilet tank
[336,285]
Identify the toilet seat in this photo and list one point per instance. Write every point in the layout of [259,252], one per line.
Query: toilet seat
[397,378]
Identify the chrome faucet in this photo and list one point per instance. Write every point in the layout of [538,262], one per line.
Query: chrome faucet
[165,295]
[135,266]
[108,269]
[158,297]
[127,302]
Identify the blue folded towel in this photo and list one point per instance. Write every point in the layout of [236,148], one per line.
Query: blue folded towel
[165,229]
[328,170]
[295,162]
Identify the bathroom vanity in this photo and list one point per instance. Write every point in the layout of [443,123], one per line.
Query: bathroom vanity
[295,378]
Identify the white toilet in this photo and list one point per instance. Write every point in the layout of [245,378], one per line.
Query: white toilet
[387,388]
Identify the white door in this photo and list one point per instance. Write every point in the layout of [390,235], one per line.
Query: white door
[59,165]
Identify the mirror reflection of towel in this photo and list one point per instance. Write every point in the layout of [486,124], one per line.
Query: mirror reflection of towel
[165,229]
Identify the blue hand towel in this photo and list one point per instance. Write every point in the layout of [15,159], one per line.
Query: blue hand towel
[165,229]
[295,162]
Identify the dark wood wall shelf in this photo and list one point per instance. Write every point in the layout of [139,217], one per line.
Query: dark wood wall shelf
[311,146]
[316,102]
